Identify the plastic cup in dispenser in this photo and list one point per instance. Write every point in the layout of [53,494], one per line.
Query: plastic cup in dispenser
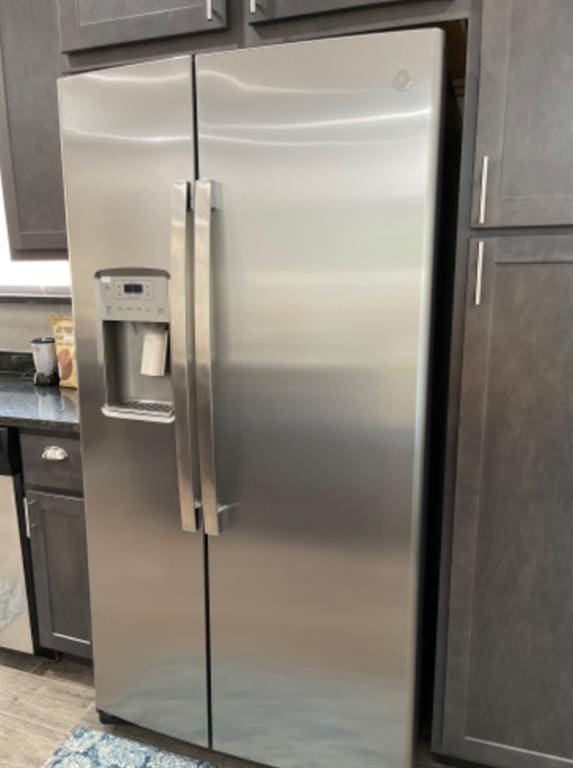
[154,351]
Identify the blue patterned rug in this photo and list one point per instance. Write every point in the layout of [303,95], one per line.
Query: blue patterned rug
[93,749]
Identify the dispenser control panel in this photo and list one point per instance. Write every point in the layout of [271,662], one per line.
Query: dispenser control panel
[130,297]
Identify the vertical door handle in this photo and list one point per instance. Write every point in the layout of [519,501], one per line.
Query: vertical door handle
[29,525]
[209,9]
[479,273]
[203,203]
[252,6]
[483,189]
[182,353]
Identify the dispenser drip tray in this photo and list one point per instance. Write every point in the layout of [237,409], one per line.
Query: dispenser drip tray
[141,410]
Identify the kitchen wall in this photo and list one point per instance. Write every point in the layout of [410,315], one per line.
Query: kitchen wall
[20,321]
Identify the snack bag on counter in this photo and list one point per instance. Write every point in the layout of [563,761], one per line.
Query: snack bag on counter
[63,332]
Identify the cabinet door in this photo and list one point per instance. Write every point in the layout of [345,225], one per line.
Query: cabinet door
[509,670]
[267,10]
[29,133]
[88,24]
[524,165]
[59,561]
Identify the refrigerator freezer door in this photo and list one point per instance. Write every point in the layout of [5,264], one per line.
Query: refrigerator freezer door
[127,135]
[322,246]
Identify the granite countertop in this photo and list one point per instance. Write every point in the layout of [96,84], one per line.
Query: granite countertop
[24,405]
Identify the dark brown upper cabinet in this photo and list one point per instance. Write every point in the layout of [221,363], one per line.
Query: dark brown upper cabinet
[86,24]
[29,134]
[509,670]
[267,10]
[523,172]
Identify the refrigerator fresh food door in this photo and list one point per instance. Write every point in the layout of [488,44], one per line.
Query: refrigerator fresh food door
[325,157]
[128,149]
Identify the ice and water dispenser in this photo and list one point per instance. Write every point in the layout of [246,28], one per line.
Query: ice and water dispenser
[134,314]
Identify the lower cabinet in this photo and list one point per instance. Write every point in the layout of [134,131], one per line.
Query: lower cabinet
[59,561]
[508,684]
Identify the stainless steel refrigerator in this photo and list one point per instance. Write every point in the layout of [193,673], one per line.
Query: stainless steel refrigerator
[252,246]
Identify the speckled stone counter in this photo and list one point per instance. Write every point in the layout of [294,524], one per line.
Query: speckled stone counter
[25,406]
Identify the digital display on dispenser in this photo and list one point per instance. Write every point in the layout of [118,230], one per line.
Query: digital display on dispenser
[133,289]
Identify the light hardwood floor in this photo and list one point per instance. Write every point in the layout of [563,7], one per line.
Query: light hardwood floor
[43,701]
[40,703]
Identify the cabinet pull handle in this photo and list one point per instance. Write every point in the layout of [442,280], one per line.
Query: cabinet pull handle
[54,453]
[252,6]
[479,273]
[483,189]
[29,526]
[209,9]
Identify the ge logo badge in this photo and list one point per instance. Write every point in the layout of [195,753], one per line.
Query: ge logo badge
[402,80]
